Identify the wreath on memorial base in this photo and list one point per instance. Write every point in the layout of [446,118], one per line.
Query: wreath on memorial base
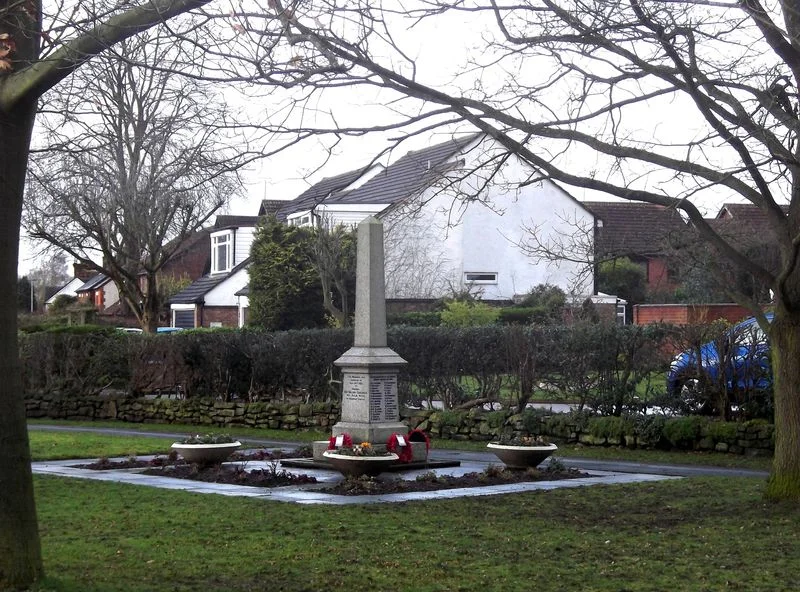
[401,446]
[346,440]
[417,435]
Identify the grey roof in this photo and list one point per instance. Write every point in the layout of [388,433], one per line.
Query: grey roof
[632,228]
[411,174]
[196,291]
[317,193]
[270,207]
[93,282]
[244,291]
[235,221]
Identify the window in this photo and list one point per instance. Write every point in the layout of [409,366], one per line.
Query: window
[475,277]
[621,314]
[222,252]
[183,319]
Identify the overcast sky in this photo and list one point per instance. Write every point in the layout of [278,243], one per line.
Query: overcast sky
[436,49]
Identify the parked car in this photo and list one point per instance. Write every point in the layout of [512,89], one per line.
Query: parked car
[158,330]
[745,357]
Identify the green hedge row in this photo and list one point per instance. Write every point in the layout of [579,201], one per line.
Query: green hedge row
[510,315]
[601,362]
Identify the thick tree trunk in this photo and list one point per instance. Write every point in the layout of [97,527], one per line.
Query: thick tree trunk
[20,554]
[784,481]
[150,305]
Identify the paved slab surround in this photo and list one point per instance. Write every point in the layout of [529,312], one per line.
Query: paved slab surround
[309,494]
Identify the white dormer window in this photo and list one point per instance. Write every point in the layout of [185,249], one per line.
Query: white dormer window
[222,252]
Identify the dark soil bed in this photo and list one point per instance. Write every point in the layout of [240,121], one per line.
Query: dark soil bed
[172,459]
[232,475]
[273,476]
[172,466]
[389,483]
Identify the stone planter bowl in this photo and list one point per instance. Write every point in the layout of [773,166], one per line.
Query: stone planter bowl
[355,466]
[521,457]
[206,454]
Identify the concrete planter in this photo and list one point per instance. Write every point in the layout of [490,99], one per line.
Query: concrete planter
[355,466]
[521,457]
[206,453]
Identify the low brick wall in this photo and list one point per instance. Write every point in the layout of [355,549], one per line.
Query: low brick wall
[688,314]
[754,439]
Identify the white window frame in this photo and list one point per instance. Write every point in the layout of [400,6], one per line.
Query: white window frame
[183,308]
[470,277]
[621,314]
[218,241]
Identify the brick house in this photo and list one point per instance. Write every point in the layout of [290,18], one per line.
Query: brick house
[98,291]
[191,261]
[211,301]
[641,232]
[744,225]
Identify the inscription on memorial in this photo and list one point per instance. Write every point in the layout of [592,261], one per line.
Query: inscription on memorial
[354,387]
[383,397]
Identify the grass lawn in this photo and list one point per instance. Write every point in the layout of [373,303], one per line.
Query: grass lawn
[176,428]
[688,534]
[63,445]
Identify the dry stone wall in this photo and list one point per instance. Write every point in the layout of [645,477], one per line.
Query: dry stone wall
[750,438]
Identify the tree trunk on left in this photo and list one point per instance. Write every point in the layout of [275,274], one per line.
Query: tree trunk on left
[20,552]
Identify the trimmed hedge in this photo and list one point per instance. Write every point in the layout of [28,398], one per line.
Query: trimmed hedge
[604,367]
[252,364]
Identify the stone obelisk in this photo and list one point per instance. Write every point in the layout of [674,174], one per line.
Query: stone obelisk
[370,410]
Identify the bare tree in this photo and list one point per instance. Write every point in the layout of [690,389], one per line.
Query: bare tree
[26,73]
[50,273]
[668,103]
[575,244]
[132,165]
[415,265]
[333,256]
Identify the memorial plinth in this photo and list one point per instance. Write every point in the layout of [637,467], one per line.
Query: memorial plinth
[370,410]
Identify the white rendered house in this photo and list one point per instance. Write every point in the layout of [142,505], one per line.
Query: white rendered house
[454,220]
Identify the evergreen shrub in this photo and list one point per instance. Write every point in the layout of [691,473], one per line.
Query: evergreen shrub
[682,432]
[415,319]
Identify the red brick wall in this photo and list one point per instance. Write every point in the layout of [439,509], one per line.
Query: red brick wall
[193,262]
[687,314]
[227,315]
[658,279]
